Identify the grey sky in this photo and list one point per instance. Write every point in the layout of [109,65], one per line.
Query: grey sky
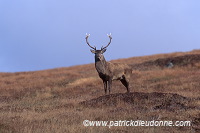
[43,34]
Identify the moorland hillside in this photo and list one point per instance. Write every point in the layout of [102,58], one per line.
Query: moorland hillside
[59,100]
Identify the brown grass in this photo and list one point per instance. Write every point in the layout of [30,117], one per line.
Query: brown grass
[58,100]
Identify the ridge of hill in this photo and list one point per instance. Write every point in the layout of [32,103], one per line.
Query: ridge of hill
[59,100]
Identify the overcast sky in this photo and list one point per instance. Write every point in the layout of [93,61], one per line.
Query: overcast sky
[44,34]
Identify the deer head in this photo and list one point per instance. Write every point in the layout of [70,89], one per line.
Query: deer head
[98,53]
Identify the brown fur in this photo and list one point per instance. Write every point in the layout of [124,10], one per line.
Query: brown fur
[114,71]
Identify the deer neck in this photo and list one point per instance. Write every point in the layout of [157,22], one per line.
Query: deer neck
[101,65]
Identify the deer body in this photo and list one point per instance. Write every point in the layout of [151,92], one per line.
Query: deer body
[110,71]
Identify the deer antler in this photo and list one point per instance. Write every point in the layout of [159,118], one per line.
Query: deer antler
[87,35]
[108,43]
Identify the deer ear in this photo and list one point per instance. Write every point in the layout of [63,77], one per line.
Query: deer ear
[93,51]
[102,51]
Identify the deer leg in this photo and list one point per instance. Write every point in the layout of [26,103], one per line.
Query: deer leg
[105,86]
[125,82]
[110,85]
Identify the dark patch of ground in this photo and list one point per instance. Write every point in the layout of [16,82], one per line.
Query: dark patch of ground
[179,61]
[144,101]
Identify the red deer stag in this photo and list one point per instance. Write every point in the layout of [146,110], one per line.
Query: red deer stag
[110,71]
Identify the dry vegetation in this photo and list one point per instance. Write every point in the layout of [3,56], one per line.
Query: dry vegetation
[59,100]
